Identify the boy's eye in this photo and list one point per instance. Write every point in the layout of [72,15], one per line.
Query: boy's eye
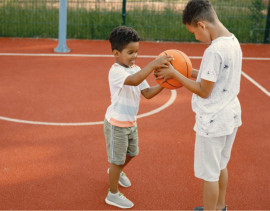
[132,52]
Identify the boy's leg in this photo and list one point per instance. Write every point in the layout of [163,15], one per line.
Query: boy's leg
[114,197]
[207,167]
[128,159]
[223,180]
[216,161]
[117,144]
[123,179]
[210,195]
[114,175]
[133,148]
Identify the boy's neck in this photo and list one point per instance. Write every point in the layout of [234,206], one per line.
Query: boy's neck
[218,30]
[121,64]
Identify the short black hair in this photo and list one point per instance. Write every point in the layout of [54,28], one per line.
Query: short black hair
[197,10]
[122,36]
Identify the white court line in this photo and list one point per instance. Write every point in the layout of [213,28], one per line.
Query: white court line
[106,56]
[166,105]
[140,56]
[103,55]
[200,57]
[55,55]
[256,84]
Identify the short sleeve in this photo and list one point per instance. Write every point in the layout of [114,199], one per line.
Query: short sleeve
[144,85]
[117,76]
[210,66]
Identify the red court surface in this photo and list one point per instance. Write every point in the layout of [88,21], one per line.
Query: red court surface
[56,167]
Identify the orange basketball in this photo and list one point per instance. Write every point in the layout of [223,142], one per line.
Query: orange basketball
[181,63]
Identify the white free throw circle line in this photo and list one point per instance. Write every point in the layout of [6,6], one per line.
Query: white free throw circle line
[167,104]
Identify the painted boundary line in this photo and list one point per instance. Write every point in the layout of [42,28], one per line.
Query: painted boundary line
[166,105]
[256,84]
[108,56]
[142,56]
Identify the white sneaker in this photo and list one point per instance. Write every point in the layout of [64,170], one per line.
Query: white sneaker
[123,179]
[118,200]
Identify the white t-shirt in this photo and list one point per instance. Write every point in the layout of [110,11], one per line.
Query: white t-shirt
[220,113]
[125,99]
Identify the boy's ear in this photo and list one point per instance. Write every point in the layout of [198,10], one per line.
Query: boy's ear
[116,53]
[201,24]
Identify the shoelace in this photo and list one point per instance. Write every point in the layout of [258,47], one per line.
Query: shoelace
[123,174]
[121,195]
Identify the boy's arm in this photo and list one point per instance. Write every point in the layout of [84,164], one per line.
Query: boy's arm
[137,78]
[152,91]
[194,73]
[203,88]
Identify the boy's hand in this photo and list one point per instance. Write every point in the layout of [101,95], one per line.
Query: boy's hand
[166,73]
[162,62]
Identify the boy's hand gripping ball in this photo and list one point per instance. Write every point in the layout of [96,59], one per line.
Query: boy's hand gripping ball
[181,63]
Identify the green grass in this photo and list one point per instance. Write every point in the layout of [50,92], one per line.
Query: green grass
[92,24]
[36,19]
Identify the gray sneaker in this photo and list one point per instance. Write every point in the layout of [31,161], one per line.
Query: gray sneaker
[123,179]
[118,200]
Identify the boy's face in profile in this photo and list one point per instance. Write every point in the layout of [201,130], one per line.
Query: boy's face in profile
[200,32]
[128,55]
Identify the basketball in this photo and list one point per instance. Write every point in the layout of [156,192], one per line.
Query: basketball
[181,63]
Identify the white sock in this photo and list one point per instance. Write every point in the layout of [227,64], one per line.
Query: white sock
[114,194]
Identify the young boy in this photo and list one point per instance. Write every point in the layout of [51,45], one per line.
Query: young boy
[127,83]
[215,102]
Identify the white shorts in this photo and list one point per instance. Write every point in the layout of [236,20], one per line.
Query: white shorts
[212,155]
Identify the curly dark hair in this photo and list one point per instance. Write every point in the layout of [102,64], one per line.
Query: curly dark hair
[122,36]
[197,10]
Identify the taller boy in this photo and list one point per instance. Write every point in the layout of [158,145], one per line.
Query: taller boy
[215,102]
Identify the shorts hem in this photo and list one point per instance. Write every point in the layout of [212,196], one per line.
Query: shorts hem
[132,154]
[117,163]
[208,180]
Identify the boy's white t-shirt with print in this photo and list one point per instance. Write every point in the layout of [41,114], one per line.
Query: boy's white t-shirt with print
[220,113]
[125,99]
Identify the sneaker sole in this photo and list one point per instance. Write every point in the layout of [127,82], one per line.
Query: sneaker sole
[125,186]
[117,205]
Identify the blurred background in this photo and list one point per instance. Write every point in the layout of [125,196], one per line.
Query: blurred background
[155,20]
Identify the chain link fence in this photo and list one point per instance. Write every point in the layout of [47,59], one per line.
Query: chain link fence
[155,20]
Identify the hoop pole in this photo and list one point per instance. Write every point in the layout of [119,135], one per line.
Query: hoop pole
[62,29]
[267,27]
[124,12]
